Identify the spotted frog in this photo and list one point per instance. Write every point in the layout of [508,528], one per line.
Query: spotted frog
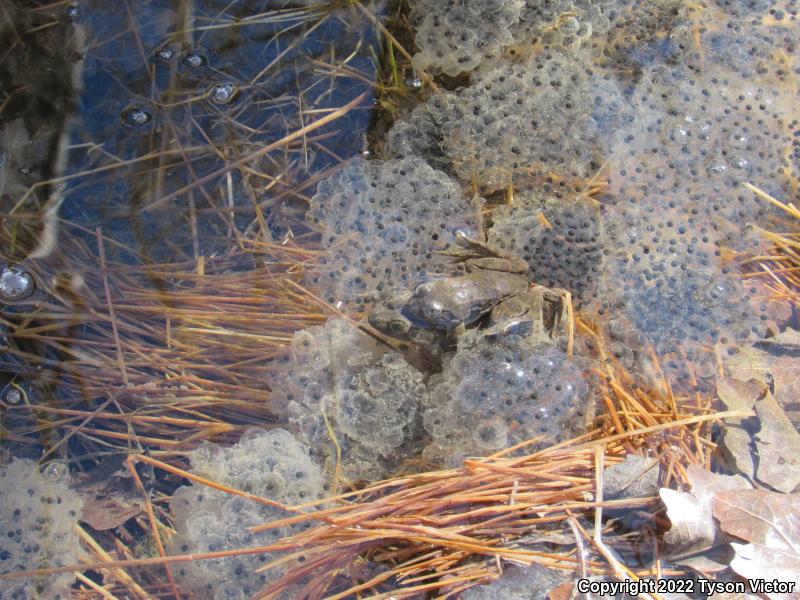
[494,288]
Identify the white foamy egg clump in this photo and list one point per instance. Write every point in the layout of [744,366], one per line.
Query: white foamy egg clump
[497,393]
[342,388]
[270,464]
[39,516]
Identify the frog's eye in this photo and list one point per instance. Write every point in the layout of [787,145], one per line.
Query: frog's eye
[433,312]
[398,326]
[378,323]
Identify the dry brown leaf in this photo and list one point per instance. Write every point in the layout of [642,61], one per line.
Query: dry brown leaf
[786,377]
[778,445]
[693,528]
[771,523]
[735,445]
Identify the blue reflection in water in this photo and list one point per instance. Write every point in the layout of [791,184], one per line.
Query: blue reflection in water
[152,99]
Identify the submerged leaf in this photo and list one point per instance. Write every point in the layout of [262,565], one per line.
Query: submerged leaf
[778,445]
[109,496]
[748,363]
[739,395]
[771,523]
[693,527]
[736,394]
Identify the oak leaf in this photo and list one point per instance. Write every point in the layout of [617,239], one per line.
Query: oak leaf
[770,522]
[693,527]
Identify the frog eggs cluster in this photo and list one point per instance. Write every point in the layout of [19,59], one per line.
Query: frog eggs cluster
[456,36]
[665,270]
[39,516]
[453,35]
[515,122]
[368,397]
[567,23]
[756,42]
[381,222]
[497,393]
[271,464]
[636,37]
[701,138]
[559,235]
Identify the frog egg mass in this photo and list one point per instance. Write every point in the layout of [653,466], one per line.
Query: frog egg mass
[369,398]
[381,223]
[271,464]
[674,287]
[517,121]
[700,138]
[497,393]
[454,36]
[39,516]
[559,235]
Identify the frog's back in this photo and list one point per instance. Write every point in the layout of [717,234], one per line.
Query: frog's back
[448,302]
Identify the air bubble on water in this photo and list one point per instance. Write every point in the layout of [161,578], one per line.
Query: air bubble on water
[135,116]
[194,59]
[164,53]
[224,93]
[718,169]
[414,82]
[740,163]
[55,471]
[12,395]
[15,284]
[74,12]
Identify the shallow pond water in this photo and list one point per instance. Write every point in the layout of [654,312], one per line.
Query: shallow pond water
[200,203]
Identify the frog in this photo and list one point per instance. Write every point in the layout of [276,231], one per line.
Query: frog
[491,285]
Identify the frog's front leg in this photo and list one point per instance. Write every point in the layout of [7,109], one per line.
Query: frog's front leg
[536,312]
[519,315]
[554,308]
